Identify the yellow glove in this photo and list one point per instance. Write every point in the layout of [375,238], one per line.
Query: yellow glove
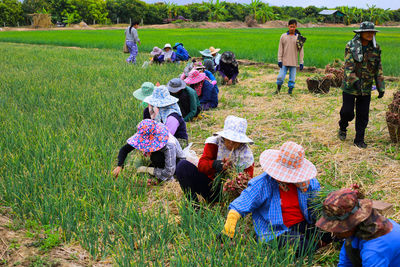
[230,224]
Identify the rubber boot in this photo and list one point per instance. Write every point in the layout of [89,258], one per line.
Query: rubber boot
[290,91]
[278,89]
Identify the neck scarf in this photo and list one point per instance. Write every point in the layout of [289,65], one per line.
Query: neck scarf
[198,87]
[356,47]
[242,157]
[164,112]
[303,186]
[373,227]
[167,55]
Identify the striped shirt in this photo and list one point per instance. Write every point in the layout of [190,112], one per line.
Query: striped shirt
[262,199]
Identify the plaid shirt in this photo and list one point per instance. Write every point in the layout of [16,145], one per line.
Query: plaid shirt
[262,199]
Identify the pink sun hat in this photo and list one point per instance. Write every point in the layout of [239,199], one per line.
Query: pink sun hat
[194,77]
[288,164]
[151,136]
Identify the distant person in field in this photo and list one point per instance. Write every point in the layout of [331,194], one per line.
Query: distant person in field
[154,140]
[371,239]
[164,108]
[288,56]
[279,199]
[227,147]
[132,39]
[216,57]
[144,91]
[361,68]
[228,68]
[189,102]
[155,53]
[181,53]
[168,55]
[206,91]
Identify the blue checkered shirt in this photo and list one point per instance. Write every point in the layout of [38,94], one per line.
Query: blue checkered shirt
[262,199]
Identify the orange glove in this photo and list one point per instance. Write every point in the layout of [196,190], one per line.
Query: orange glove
[230,224]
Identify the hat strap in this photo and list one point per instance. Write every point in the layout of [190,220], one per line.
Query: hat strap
[342,217]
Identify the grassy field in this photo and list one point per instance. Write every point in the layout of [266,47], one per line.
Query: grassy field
[322,46]
[64,114]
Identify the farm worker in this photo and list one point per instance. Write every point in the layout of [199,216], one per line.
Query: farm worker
[155,53]
[154,140]
[189,102]
[228,68]
[181,53]
[216,57]
[371,239]
[206,54]
[132,39]
[210,77]
[208,94]
[279,199]
[168,55]
[362,66]
[164,108]
[144,91]
[209,65]
[288,54]
[220,151]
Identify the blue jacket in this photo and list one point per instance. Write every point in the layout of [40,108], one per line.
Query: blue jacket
[182,53]
[262,199]
[209,94]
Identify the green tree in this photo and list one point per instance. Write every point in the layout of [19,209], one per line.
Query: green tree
[11,12]
[217,10]
[254,6]
[265,13]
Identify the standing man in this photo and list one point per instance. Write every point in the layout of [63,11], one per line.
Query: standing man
[288,54]
[362,67]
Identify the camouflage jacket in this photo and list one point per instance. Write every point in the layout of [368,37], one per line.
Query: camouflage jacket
[363,67]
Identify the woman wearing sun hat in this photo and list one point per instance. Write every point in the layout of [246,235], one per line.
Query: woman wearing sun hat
[208,94]
[153,139]
[144,91]
[164,108]
[181,53]
[371,239]
[279,198]
[189,102]
[155,53]
[216,57]
[228,67]
[168,55]
[226,147]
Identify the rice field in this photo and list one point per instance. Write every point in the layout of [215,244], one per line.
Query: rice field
[323,45]
[65,112]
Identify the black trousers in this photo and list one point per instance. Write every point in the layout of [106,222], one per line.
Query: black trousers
[193,181]
[362,113]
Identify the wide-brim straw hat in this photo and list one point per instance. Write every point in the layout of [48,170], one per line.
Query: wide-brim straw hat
[214,50]
[366,26]
[195,76]
[235,130]
[175,85]
[156,51]
[288,164]
[206,53]
[160,97]
[144,91]
[167,46]
[343,211]
[151,136]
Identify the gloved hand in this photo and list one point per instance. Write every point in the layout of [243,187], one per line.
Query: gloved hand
[301,66]
[230,224]
[280,64]
[144,169]
[381,94]
[218,165]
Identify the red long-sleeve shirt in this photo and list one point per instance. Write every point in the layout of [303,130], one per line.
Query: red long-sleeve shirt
[209,155]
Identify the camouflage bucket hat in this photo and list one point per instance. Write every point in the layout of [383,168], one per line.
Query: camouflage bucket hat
[366,26]
[342,211]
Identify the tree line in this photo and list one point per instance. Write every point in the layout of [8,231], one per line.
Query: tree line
[17,13]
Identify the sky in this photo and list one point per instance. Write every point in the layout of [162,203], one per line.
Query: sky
[392,4]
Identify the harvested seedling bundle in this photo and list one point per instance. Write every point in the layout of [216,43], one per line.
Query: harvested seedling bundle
[393,118]
[319,84]
[337,69]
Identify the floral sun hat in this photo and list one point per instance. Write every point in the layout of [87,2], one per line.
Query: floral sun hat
[151,136]
[156,51]
[144,91]
[175,85]
[160,97]
[198,65]
[194,77]
[214,50]
[206,53]
[288,164]
[235,130]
